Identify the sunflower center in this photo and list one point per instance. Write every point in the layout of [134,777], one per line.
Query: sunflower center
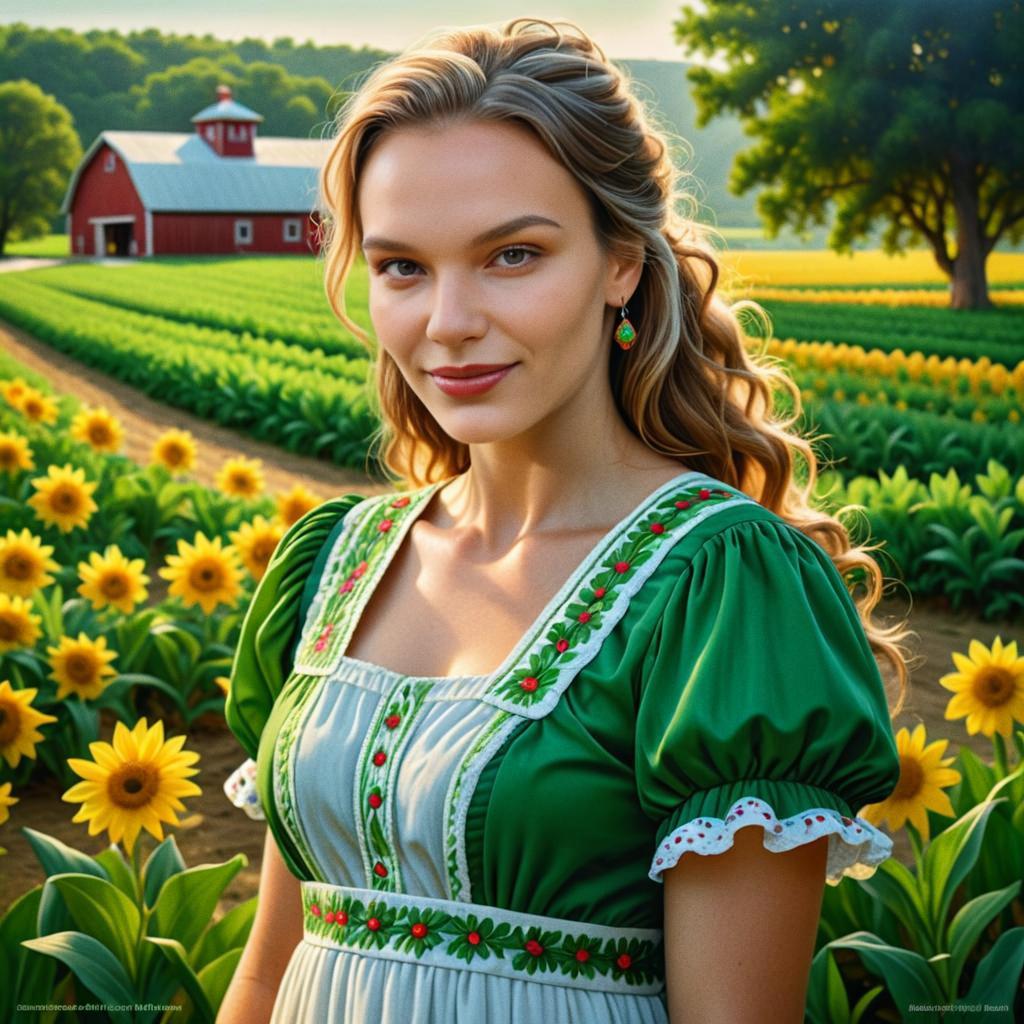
[80,667]
[99,433]
[18,566]
[64,499]
[911,779]
[241,479]
[174,453]
[9,723]
[993,685]
[8,629]
[133,784]
[8,456]
[263,549]
[32,408]
[114,585]
[206,575]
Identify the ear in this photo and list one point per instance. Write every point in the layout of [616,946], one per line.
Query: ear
[622,278]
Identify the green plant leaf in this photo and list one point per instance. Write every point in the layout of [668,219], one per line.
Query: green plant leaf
[57,858]
[97,968]
[970,921]
[118,870]
[188,899]
[164,861]
[202,1012]
[216,976]
[998,976]
[101,910]
[230,932]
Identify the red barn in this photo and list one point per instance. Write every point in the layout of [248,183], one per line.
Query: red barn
[219,190]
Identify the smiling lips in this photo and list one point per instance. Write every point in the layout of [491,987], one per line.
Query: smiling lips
[471,379]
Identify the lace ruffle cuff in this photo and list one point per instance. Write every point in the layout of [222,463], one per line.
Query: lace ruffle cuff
[855,847]
[241,789]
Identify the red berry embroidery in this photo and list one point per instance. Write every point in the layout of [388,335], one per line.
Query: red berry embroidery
[622,566]
[375,800]
[583,955]
[584,616]
[419,929]
[392,720]
[346,587]
[704,494]
[682,504]
[600,592]
[473,938]
[341,918]
[379,758]
[380,870]
[373,924]
[359,570]
[384,525]
[314,910]
[529,684]
[534,948]
[562,646]
[329,917]
[657,527]
[400,503]
[625,961]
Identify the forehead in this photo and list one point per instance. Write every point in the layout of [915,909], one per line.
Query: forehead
[466,175]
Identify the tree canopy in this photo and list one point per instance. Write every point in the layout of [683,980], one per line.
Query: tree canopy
[903,114]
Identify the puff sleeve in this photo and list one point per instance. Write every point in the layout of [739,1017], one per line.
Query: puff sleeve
[270,633]
[761,703]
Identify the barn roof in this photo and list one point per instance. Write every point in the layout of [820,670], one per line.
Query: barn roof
[178,171]
[227,110]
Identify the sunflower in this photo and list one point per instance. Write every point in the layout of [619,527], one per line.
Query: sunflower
[81,666]
[175,450]
[133,783]
[6,801]
[256,542]
[36,406]
[924,773]
[241,477]
[25,563]
[18,721]
[113,579]
[204,573]
[294,504]
[18,626]
[13,391]
[15,454]
[988,689]
[64,498]
[98,429]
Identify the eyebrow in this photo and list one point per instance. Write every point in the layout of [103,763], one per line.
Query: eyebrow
[492,234]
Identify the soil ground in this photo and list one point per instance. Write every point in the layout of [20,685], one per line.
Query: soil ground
[215,829]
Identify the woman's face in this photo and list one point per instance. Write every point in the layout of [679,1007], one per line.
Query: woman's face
[481,251]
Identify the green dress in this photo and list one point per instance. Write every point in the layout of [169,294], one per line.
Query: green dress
[492,847]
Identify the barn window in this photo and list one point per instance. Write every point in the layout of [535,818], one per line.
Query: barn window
[243,133]
[243,232]
[211,132]
[81,243]
[293,230]
[111,161]
[232,133]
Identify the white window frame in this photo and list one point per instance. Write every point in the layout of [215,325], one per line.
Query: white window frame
[110,163]
[211,133]
[240,226]
[295,225]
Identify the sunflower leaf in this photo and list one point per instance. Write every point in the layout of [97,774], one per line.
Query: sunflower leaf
[188,899]
[101,910]
[164,861]
[57,858]
[175,954]
[216,976]
[231,931]
[970,921]
[93,964]
[906,974]
[997,977]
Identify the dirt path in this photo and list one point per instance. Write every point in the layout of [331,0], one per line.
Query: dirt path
[226,830]
[144,419]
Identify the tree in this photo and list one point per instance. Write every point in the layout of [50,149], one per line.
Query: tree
[39,148]
[907,113]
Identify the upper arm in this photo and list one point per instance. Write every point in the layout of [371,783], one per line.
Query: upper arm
[277,926]
[740,930]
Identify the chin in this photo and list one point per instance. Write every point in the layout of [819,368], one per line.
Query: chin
[478,426]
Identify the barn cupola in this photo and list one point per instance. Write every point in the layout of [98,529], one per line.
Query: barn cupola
[226,126]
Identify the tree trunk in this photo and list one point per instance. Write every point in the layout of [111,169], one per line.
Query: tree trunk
[969,286]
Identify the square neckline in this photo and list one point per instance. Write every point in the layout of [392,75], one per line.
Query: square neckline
[568,586]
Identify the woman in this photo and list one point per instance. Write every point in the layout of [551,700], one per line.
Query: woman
[597,627]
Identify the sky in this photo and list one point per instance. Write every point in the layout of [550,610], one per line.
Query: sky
[625,29]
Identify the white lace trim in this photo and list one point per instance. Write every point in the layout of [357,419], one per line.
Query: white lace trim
[855,847]
[241,789]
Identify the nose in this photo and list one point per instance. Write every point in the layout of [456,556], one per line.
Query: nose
[455,315]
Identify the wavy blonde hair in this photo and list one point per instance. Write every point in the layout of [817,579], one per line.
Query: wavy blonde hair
[691,388]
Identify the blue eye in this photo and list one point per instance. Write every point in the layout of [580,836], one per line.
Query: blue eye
[386,264]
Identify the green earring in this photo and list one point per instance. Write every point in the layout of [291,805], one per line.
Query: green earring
[625,333]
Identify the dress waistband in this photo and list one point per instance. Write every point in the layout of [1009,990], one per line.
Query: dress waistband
[476,937]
